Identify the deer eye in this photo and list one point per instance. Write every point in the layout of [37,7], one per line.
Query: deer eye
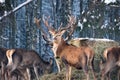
[55,38]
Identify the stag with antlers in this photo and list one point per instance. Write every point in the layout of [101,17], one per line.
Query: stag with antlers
[70,55]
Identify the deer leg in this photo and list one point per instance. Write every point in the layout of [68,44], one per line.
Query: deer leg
[28,74]
[108,76]
[36,72]
[58,66]
[2,71]
[92,67]
[70,68]
[68,72]
[107,69]
[85,67]
[118,75]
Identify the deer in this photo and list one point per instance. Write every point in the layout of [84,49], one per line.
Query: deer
[112,62]
[18,74]
[4,61]
[70,55]
[26,59]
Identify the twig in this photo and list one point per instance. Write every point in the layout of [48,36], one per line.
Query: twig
[15,9]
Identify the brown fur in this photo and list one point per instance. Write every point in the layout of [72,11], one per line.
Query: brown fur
[4,61]
[112,57]
[22,59]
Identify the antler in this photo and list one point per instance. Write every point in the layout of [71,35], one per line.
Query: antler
[44,34]
[49,27]
[71,22]
[72,25]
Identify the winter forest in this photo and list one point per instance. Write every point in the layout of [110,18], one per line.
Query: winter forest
[95,19]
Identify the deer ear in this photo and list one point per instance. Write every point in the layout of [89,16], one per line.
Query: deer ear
[52,32]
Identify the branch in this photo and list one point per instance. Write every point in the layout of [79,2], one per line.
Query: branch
[15,9]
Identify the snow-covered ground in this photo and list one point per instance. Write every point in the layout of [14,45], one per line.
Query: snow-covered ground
[96,39]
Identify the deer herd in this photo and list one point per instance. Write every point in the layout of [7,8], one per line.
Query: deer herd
[20,64]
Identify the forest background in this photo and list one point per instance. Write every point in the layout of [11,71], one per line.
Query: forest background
[96,19]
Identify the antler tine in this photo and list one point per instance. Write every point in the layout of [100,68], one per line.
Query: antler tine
[71,25]
[37,21]
[60,27]
[72,19]
[49,27]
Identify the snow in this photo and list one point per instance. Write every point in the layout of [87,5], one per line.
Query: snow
[5,38]
[80,25]
[83,12]
[103,26]
[84,20]
[109,1]
[5,13]
[119,27]
[2,1]
[92,16]
[96,39]
[89,25]
[99,15]
[115,20]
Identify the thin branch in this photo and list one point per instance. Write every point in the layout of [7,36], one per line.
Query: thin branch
[15,9]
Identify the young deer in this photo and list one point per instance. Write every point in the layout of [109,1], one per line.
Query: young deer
[71,56]
[26,59]
[112,61]
[4,61]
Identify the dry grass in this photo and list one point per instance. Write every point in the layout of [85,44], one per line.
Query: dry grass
[76,75]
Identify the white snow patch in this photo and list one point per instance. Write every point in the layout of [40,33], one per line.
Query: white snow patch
[2,1]
[109,1]
[103,26]
[119,27]
[95,39]
[5,13]
[99,15]
[83,11]
[88,12]
[84,20]
[89,25]
[4,38]
[115,20]
[93,17]
[80,25]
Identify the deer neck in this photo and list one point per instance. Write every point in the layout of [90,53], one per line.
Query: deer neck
[58,47]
